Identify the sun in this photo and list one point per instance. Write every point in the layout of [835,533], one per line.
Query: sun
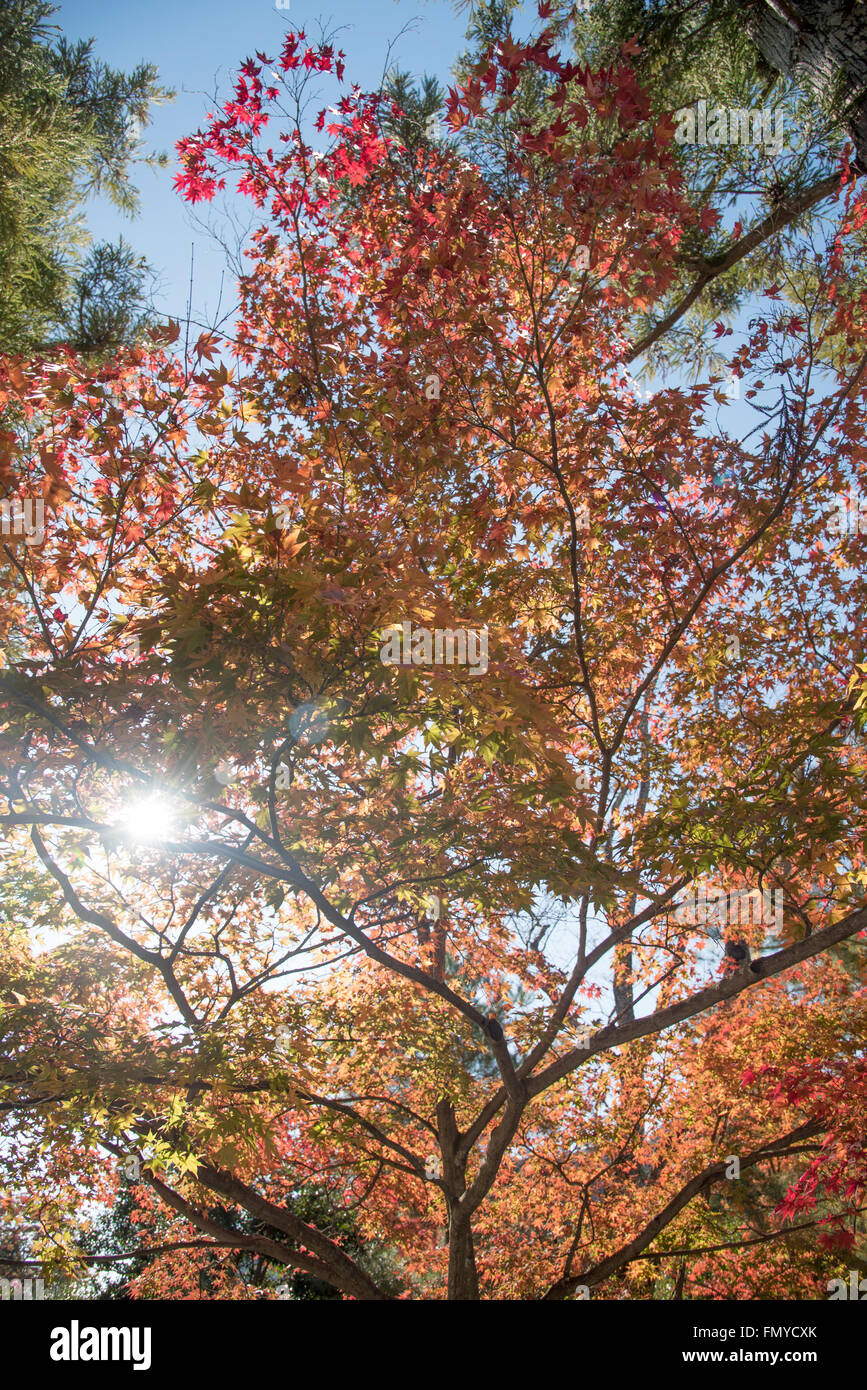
[149,820]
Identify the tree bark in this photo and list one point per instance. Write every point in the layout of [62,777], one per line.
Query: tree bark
[463,1281]
[819,43]
[463,1277]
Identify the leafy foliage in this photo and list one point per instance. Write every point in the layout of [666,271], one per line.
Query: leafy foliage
[68,127]
[370,968]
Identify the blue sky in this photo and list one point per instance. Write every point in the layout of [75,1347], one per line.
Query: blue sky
[198,45]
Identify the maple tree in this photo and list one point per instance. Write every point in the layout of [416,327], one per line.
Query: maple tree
[283,918]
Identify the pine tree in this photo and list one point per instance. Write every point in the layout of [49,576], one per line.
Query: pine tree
[69,126]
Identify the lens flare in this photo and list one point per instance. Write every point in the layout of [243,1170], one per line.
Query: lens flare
[149,820]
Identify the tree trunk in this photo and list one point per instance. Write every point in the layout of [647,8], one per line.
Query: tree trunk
[463,1280]
[463,1277]
[820,43]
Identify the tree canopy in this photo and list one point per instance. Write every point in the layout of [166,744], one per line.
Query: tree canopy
[546,970]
